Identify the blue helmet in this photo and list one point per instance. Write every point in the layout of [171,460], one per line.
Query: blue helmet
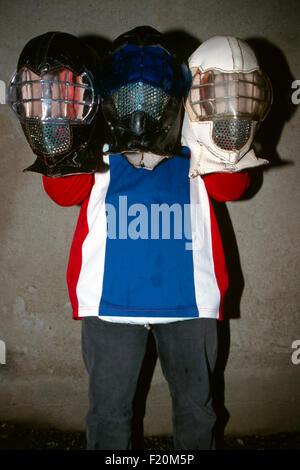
[142,87]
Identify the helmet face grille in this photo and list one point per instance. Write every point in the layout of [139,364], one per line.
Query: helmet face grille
[140,96]
[231,134]
[53,96]
[215,94]
[49,137]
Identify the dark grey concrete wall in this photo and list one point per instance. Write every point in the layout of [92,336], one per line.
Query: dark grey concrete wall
[43,378]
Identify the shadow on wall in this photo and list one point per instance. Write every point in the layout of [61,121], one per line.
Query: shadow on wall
[273,62]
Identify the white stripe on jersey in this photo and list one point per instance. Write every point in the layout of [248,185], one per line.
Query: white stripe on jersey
[206,287]
[90,282]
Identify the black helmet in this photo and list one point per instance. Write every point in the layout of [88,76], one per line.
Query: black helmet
[53,95]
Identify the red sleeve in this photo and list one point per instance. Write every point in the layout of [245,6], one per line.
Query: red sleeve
[227,186]
[69,190]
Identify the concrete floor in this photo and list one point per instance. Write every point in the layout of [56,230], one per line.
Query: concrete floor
[16,436]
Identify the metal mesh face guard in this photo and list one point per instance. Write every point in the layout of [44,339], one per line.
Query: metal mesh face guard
[140,96]
[217,94]
[49,137]
[232,134]
[59,95]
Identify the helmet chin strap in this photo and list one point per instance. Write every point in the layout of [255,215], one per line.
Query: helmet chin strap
[145,160]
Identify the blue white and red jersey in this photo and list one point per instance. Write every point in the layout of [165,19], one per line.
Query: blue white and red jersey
[147,247]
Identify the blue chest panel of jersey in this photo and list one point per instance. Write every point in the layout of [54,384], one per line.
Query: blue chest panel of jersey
[148,262]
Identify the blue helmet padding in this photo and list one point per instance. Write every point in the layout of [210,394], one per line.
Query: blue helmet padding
[152,64]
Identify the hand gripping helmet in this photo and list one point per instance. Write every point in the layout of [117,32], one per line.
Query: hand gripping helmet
[53,95]
[228,98]
[142,87]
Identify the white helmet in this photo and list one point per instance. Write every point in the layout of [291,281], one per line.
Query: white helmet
[228,97]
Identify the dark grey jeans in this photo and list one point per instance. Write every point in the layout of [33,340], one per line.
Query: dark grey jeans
[113,354]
